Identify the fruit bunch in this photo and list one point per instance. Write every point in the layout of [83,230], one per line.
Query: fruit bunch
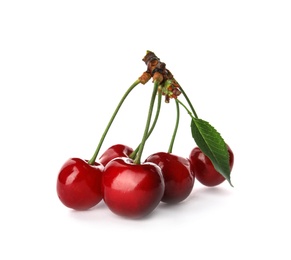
[133,188]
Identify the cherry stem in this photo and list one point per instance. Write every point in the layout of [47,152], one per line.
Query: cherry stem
[189,112]
[137,159]
[133,154]
[176,127]
[93,159]
[189,102]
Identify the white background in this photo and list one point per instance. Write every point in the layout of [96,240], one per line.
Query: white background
[64,66]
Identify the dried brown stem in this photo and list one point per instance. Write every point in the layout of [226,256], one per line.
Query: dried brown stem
[158,71]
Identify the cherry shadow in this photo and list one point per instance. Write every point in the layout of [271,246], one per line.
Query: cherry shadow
[201,198]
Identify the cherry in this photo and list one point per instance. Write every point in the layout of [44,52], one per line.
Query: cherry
[178,175]
[132,190]
[118,150]
[204,170]
[79,184]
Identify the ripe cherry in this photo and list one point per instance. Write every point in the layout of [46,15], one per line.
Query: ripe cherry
[204,170]
[118,150]
[132,190]
[79,184]
[178,175]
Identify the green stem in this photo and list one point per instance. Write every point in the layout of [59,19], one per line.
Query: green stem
[189,102]
[189,112]
[93,159]
[157,114]
[133,154]
[146,130]
[176,127]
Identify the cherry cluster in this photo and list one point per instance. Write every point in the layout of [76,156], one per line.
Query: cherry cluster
[133,188]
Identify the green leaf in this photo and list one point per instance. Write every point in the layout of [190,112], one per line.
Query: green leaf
[212,145]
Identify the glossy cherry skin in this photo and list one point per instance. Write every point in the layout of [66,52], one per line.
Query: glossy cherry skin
[132,190]
[178,176]
[79,185]
[118,150]
[204,170]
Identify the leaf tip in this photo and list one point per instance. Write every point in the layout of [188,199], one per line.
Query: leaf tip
[230,183]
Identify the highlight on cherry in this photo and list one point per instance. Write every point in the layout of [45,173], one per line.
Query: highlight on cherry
[133,187]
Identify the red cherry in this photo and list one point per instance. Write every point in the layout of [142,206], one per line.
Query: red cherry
[178,176]
[118,150]
[204,170]
[132,190]
[79,184]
